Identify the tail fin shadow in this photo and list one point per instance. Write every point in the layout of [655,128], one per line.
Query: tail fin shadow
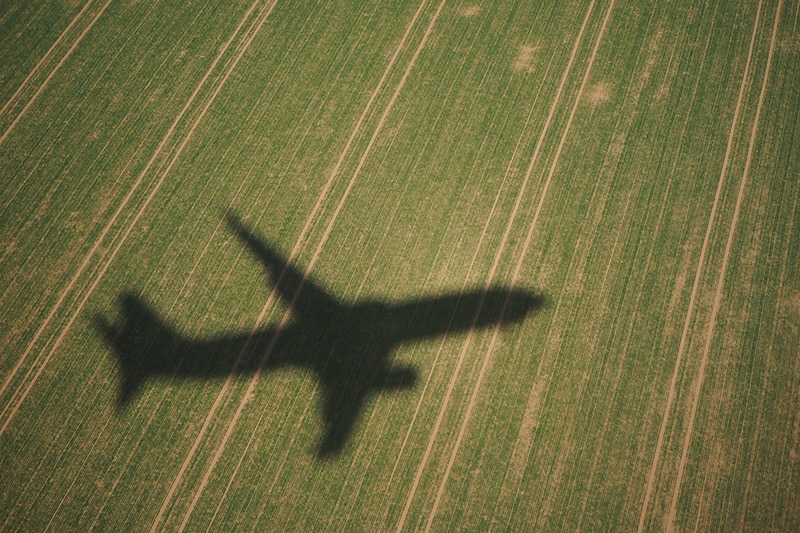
[138,333]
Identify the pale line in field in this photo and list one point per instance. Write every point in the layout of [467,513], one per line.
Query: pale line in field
[122,469]
[702,500]
[295,251]
[88,454]
[615,154]
[258,424]
[625,346]
[55,69]
[250,35]
[668,311]
[296,248]
[305,411]
[720,281]
[567,429]
[361,285]
[759,409]
[45,57]
[461,292]
[518,267]
[796,12]
[26,353]
[387,225]
[538,393]
[312,261]
[791,438]
[471,332]
[469,271]
[29,481]
[289,446]
[113,219]
[700,264]
[20,184]
[199,259]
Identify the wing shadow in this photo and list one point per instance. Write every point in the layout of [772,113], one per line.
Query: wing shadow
[346,346]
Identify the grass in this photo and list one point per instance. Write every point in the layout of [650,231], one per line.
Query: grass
[560,417]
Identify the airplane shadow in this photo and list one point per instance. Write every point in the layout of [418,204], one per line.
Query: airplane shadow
[347,346]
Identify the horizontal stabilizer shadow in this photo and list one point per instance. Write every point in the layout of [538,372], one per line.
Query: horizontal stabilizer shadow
[346,346]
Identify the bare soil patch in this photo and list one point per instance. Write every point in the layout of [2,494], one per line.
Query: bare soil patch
[792,44]
[794,304]
[524,62]
[792,312]
[600,93]
[470,11]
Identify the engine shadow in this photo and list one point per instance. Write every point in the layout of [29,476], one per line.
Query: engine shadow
[346,346]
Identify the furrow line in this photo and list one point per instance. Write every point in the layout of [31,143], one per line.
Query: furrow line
[616,324]
[448,260]
[698,385]
[518,267]
[113,220]
[673,303]
[369,271]
[261,417]
[89,454]
[243,46]
[767,330]
[175,301]
[484,231]
[555,473]
[53,72]
[45,57]
[470,174]
[490,278]
[695,286]
[122,469]
[439,351]
[135,110]
[524,440]
[791,440]
[300,241]
[315,256]
[260,421]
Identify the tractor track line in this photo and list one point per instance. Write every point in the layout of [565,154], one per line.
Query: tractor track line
[695,286]
[484,231]
[53,72]
[489,218]
[698,385]
[258,425]
[516,274]
[295,251]
[113,219]
[317,252]
[471,332]
[44,57]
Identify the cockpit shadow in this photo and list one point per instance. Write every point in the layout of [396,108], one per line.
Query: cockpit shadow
[347,346]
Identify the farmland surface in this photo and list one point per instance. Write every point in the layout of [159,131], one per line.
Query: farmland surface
[631,166]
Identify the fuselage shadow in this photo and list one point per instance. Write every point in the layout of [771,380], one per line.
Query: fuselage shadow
[346,346]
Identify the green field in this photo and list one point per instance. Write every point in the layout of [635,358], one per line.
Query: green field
[568,230]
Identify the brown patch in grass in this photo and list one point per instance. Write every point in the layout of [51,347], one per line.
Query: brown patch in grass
[792,311]
[470,11]
[794,304]
[600,93]
[790,45]
[524,62]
